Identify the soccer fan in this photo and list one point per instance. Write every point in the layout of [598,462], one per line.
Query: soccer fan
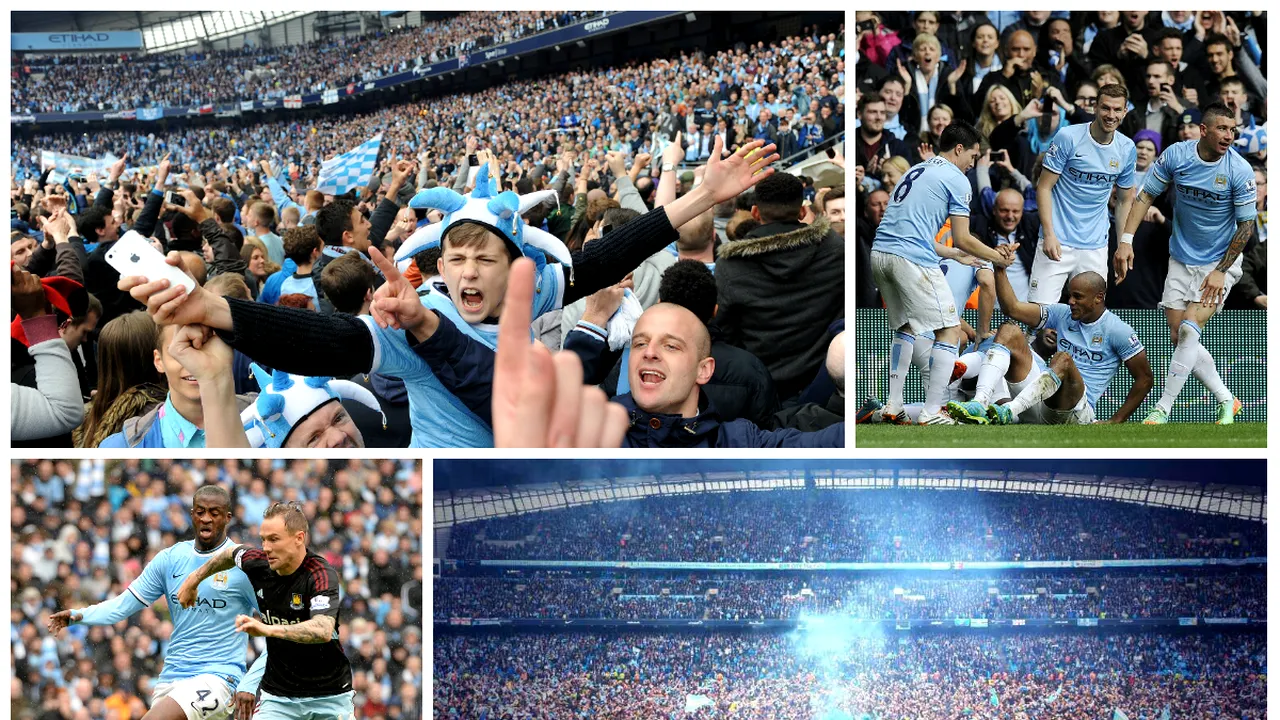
[307,673]
[1083,164]
[475,264]
[905,264]
[1092,343]
[204,658]
[782,285]
[1214,214]
[669,361]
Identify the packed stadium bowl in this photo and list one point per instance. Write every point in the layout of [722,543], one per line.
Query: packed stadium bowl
[99,538]
[844,590]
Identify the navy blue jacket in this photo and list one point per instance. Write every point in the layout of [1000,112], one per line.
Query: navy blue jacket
[465,367]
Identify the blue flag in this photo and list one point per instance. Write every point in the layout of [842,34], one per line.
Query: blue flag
[351,169]
[995,699]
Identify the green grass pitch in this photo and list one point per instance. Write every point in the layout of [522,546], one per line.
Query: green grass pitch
[1173,435]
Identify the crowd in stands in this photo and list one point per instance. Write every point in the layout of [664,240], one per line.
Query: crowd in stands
[634,108]
[848,526]
[190,78]
[760,676]
[874,598]
[1020,78]
[83,531]
[740,262]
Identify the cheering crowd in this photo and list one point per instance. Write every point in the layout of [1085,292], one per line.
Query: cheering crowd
[735,267]
[634,108]
[84,530]
[1022,78]
[190,78]
[798,677]
[894,598]
[843,526]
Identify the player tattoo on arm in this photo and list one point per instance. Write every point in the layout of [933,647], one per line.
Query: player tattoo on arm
[1243,232]
[315,631]
[1138,211]
[224,560]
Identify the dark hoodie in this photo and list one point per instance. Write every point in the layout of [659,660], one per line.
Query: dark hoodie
[778,290]
[653,430]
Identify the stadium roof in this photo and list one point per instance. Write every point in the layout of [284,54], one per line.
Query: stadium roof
[475,489]
[78,21]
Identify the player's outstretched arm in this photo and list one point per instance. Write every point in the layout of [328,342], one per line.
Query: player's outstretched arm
[1044,196]
[315,631]
[118,608]
[1124,251]
[961,239]
[1143,380]
[1027,313]
[224,560]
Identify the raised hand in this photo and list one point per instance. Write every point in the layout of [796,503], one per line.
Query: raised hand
[172,305]
[726,179]
[538,400]
[396,305]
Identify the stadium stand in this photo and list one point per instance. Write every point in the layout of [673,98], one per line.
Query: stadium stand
[84,529]
[1092,592]
[579,107]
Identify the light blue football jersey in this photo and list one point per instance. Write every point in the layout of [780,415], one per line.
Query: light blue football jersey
[1208,200]
[962,279]
[204,639]
[439,419]
[1087,170]
[1098,348]
[925,197]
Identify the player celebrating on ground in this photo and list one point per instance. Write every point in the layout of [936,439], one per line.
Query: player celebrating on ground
[1083,163]
[307,673]
[1214,211]
[1092,342]
[904,264]
[205,657]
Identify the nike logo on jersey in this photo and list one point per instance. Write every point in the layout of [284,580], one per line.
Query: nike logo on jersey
[177,575]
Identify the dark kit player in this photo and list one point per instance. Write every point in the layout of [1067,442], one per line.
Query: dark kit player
[307,673]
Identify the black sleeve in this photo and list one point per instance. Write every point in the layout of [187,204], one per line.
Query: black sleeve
[71,259]
[150,215]
[104,197]
[303,342]
[381,220]
[606,261]
[224,248]
[251,560]
[41,262]
[324,593]
[597,359]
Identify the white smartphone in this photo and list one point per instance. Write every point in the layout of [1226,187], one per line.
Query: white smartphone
[134,255]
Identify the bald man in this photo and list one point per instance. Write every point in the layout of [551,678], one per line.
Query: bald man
[670,361]
[1006,218]
[1092,343]
[1019,54]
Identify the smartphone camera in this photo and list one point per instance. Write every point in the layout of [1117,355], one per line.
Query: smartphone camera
[173,198]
